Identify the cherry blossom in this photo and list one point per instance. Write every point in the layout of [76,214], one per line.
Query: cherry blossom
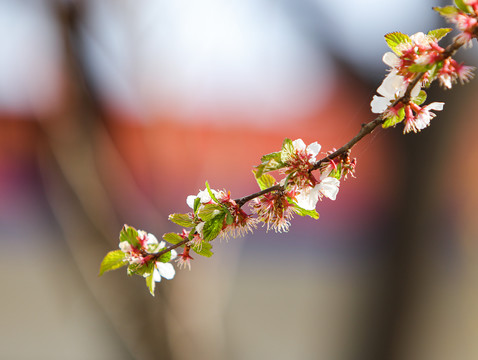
[308,197]
[422,118]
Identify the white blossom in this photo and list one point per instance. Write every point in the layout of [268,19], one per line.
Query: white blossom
[423,118]
[312,149]
[393,87]
[203,196]
[165,270]
[309,196]
[329,187]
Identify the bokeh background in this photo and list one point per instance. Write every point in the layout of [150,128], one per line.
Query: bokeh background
[113,111]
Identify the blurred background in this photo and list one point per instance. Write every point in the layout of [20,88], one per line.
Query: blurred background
[114,111]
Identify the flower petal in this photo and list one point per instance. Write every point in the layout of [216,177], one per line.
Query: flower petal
[437,106]
[391,59]
[299,144]
[329,187]
[190,201]
[166,270]
[314,149]
[125,247]
[156,275]
[151,239]
[308,197]
[379,104]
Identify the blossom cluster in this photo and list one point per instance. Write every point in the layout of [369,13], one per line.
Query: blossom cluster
[464,15]
[415,62]
[300,190]
[213,213]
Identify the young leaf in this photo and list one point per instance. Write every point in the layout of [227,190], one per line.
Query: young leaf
[438,34]
[395,39]
[205,249]
[112,261]
[287,150]
[172,238]
[197,202]
[141,269]
[303,212]
[420,99]
[209,211]
[229,218]
[419,68]
[265,181]
[183,220]
[392,121]
[336,173]
[129,234]
[150,283]
[166,257]
[270,162]
[213,227]
[211,194]
[447,10]
[460,4]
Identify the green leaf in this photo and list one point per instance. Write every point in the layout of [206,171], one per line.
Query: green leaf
[434,72]
[392,121]
[303,212]
[205,249]
[265,181]
[213,227]
[287,150]
[336,173]
[438,34]
[172,238]
[460,4]
[270,162]
[129,234]
[447,10]
[166,257]
[209,211]
[395,40]
[211,194]
[229,218]
[150,283]
[197,202]
[419,68]
[141,269]
[112,261]
[183,220]
[420,99]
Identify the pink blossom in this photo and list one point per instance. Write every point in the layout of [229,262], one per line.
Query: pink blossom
[422,118]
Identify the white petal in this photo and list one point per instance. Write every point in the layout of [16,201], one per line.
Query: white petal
[166,270]
[174,254]
[204,196]
[392,85]
[156,275]
[190,201]
[199,228]
[438,106]
[151,239]
[415,91]
[299,144]
[329,187]
[391,59]
[308,197]
[125,247]
[379,104]
[314,149]
[419,38]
